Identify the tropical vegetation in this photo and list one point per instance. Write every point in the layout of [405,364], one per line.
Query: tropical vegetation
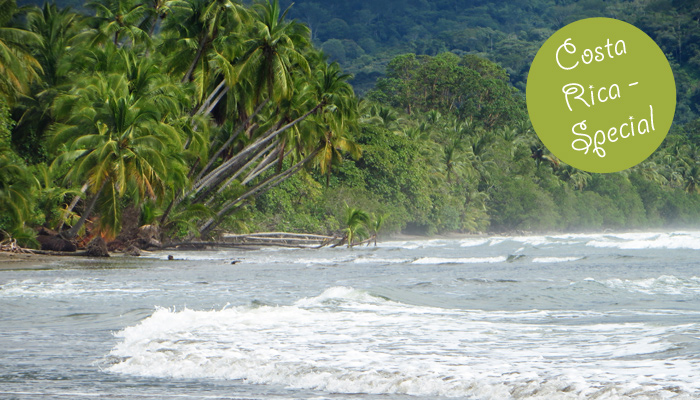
[201,116]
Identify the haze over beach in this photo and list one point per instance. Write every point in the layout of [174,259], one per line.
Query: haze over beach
[346,200]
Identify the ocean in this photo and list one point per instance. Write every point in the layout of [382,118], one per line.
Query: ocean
[575,316]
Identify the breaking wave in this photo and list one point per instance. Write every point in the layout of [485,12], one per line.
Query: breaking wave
[350,341]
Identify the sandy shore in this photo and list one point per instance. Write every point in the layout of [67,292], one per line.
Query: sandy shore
[9,261]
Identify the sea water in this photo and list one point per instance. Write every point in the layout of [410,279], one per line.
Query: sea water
[598,316]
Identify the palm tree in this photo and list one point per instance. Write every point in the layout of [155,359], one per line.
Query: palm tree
[58,31]
[334,124]
[273,51]
[579,179]
[384,117]
[118,144]
[155,10]
[17,186]
[539,155]
[356,222]
[17,67]
[375,225]
[651,171]
[479,152]
[332,113]
[198,27]
[117,19]
[455,161]
[59,54]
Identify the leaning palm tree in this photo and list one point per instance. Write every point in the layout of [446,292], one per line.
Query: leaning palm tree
[327,108]
[271,54]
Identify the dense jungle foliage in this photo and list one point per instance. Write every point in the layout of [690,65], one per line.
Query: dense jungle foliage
[207,115]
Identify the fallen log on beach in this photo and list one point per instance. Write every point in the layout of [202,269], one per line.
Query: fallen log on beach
[57,253]
[199,245]
[253,241]
[281,239]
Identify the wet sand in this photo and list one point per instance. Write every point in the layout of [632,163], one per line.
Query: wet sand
[13,261]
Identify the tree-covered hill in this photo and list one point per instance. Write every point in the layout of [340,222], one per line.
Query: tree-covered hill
[364,35]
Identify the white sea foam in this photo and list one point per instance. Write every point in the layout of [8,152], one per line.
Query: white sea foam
[536,240]
[67,287]
[665,284]
[555,259]
[473,242]
[378,260]
[462,260]
[414,244]
[322,261]
[348,341]
[633,240]
[638,241]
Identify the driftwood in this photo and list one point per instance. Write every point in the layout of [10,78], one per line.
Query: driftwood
[203,245]
[255,241]
[282,239]
[10,245]
[366,241]
[251,241]
[57,253]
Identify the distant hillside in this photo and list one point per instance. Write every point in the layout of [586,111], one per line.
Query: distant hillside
[364,35]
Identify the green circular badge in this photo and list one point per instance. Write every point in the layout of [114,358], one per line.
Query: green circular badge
[601,95]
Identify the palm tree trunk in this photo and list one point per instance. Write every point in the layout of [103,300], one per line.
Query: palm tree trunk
[280,160]
[70,208]
[263,166]
[232,173]
[193,65]
[210,179]
[216,101]
[209,99]
[230,140]
[178,199]
[217,176]
[73,231]
[245,167]
[256,191]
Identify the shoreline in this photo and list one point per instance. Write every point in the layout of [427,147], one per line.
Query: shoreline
[20,261]
[28,261]
[518,233]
